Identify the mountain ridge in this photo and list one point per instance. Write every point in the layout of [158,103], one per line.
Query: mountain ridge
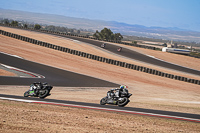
[168,33]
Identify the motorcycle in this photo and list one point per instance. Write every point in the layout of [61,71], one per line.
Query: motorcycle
[119,49]
[40,90]
[103,45]
[111,98]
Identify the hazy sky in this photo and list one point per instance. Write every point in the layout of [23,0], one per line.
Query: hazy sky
[184,14]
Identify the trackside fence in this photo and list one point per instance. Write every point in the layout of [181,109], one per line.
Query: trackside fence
[82,36]
[101,59]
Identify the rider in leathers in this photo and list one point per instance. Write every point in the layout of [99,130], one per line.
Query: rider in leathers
[35,87]
[118,92]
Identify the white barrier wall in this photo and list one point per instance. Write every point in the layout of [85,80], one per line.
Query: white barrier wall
[175,50]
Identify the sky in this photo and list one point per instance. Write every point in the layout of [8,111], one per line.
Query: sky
[183,14]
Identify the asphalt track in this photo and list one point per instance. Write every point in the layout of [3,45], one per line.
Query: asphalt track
[59,77]
[54,76]
[137,56]
[130,110]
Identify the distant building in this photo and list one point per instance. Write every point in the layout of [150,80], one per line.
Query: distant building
[177,51]
[165,45]
[170,45]
[175,45]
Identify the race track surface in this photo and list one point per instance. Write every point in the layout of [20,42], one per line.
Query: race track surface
[54,76]
[137,56]
[59,77]
[130,110]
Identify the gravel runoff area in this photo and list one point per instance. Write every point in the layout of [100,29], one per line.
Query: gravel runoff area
[149,91]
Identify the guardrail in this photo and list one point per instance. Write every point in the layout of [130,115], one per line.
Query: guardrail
[67,34]
[119,42]
[101,59]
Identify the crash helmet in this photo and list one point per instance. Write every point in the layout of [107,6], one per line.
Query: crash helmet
[122,86]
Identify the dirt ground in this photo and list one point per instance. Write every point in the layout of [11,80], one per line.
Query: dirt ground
[27,117]
[149,91]
[6,73]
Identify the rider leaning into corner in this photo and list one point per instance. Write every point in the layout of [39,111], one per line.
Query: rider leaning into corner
[122,90]
[35,86]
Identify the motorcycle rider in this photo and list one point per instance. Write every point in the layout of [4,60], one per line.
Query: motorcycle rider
[35,87]
[122,90]
[103,45]
[119,49]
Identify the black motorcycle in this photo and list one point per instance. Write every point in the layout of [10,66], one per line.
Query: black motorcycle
[40,90]
[111,98]
[119,49]
[103,45]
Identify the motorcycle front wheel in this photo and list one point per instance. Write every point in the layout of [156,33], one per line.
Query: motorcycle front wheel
[26,94]
[124,102]
[103,101]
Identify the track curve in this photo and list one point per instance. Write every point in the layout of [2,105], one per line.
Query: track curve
[58,77]
[54,76]
[137,56]
[130,110]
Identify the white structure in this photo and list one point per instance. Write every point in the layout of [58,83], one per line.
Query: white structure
[175,50]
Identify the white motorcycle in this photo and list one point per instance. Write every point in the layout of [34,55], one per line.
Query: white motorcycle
[111,98]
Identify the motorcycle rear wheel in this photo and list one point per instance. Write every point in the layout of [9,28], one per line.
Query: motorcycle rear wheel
[44,94]
[124,102]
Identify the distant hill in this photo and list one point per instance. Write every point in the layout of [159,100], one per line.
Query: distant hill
[51,19]
[171,33]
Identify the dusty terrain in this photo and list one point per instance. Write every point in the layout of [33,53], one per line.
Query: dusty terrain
[149,91]
[26,117]
[6,73]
